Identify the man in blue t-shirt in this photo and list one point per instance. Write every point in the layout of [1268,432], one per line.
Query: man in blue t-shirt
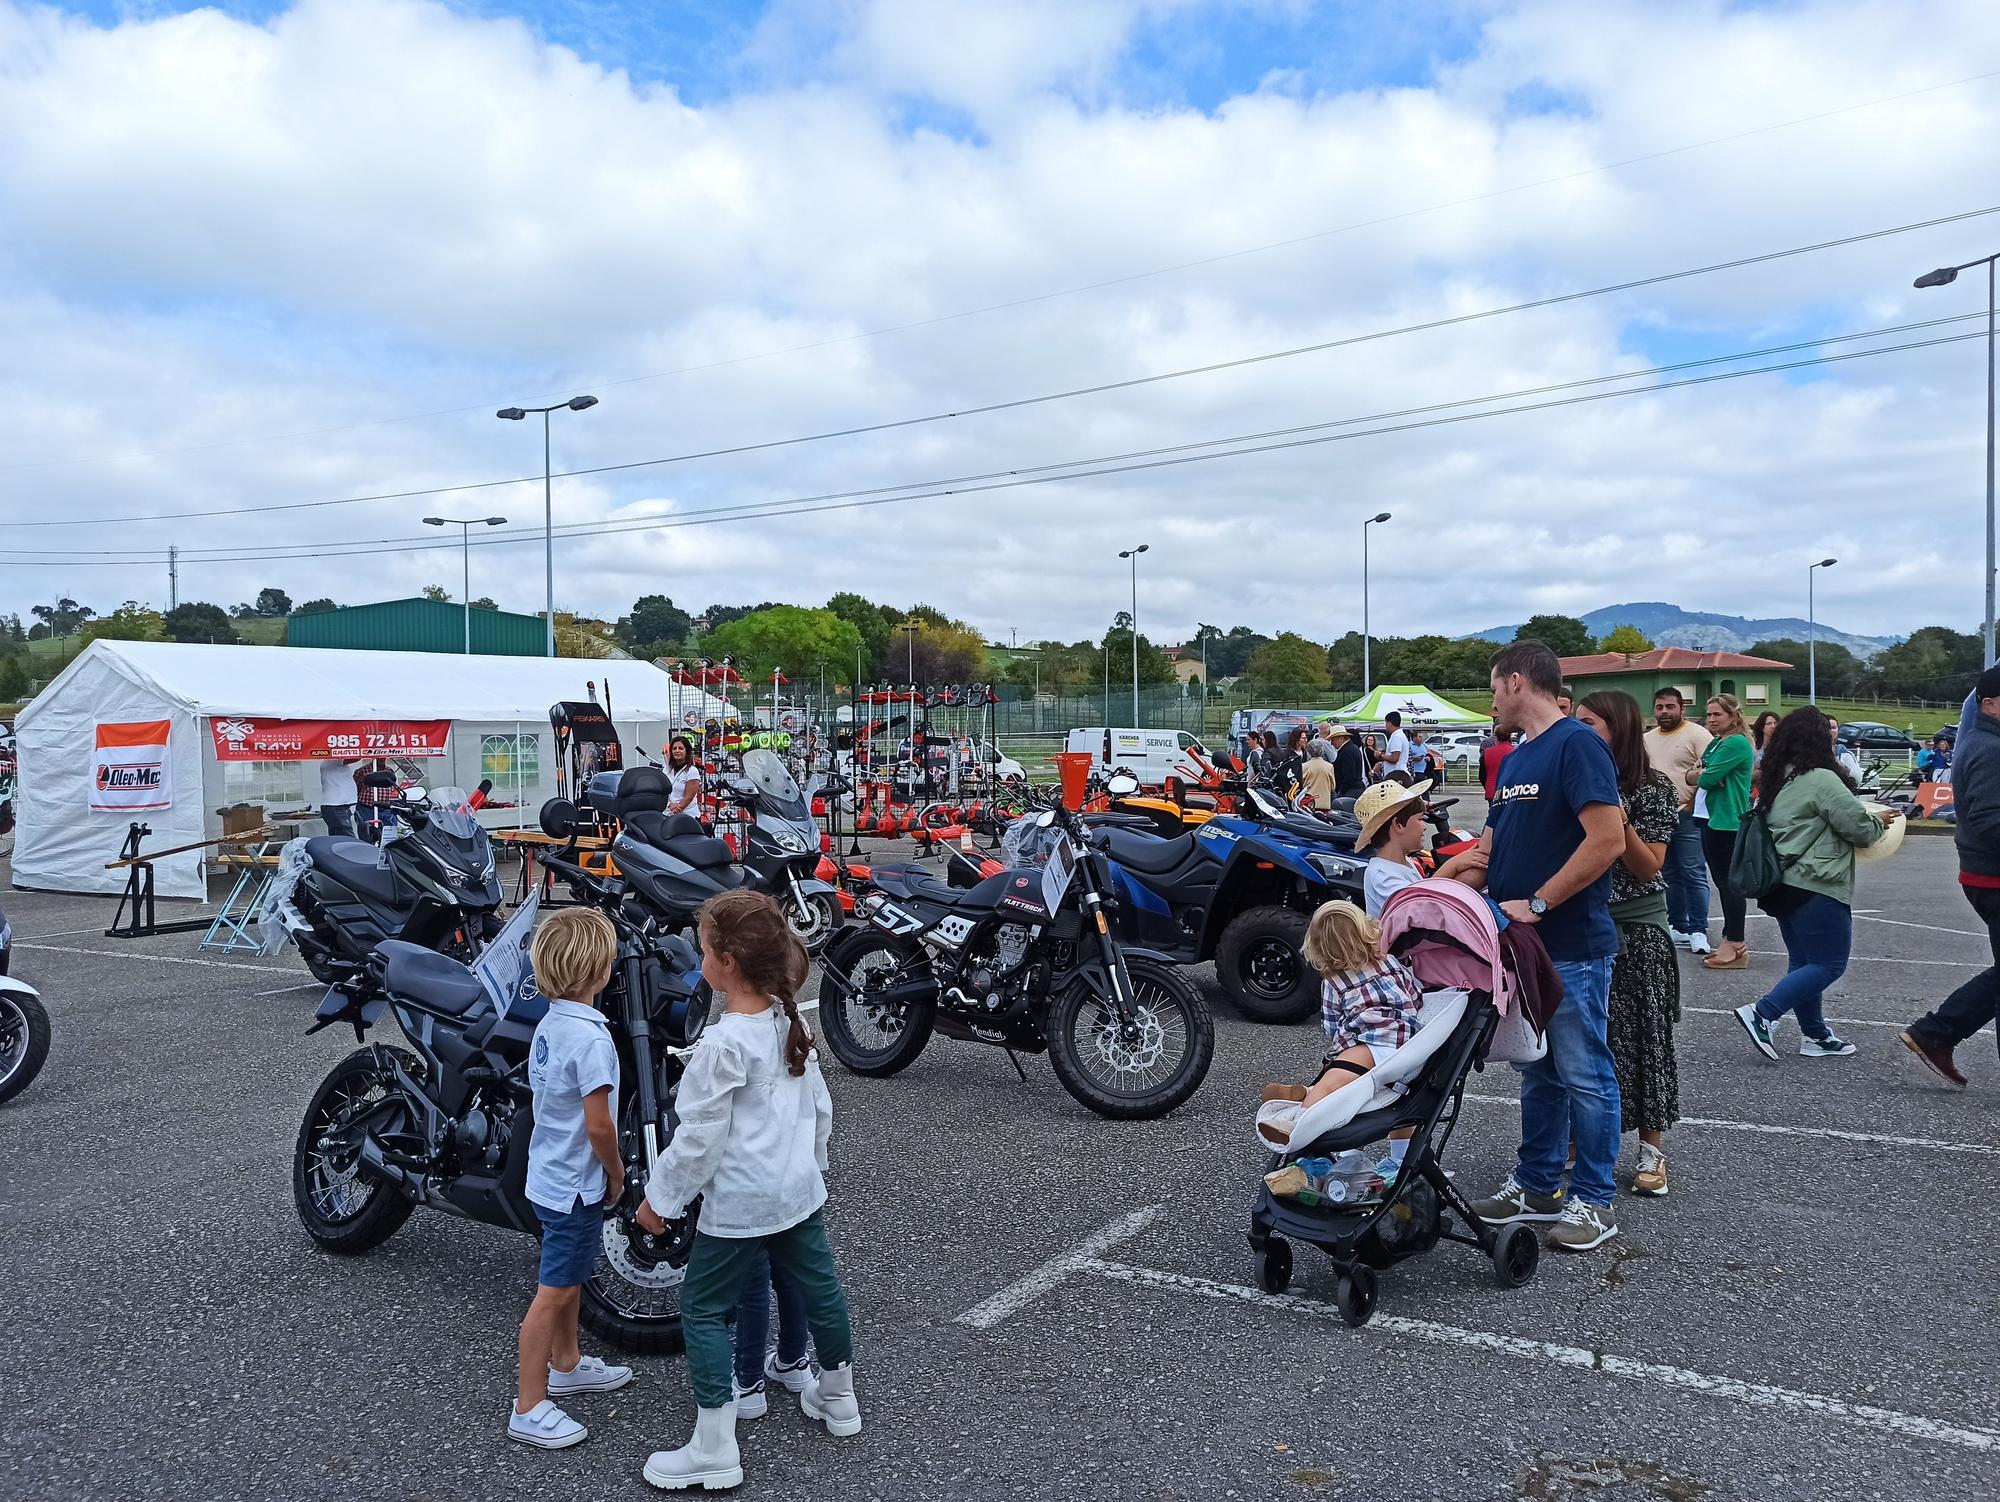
[1555,830]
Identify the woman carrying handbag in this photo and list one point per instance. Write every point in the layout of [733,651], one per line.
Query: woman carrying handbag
[1815,823]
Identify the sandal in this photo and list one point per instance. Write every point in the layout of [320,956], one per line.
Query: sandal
[1284,1092]
[1731,956]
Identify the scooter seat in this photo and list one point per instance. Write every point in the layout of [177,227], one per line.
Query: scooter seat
[352,864]
[1145,852]
[656,828]
[434,981]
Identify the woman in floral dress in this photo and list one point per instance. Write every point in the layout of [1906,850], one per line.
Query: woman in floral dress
[1646,980]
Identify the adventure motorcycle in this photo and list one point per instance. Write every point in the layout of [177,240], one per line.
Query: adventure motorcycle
[1025,959]
[431,882]
[447,1124]
[24,1026]
[685,865]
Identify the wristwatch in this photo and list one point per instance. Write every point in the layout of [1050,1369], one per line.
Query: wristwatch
[1537,906]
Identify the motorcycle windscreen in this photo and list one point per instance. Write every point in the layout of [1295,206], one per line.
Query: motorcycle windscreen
[766,770]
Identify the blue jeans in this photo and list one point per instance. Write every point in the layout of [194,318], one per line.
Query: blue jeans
[753,1318]
[1819,935]
[1687,878]
[1572,1091]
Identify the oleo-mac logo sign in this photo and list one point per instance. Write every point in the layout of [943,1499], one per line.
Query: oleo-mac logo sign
[129,776]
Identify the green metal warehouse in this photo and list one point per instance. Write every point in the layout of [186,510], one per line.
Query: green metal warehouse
[419,626]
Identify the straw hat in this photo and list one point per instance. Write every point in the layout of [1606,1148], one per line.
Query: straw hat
[1889,844]
[1379,803]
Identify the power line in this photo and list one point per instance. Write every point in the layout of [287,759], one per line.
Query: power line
[307,550]
[1041,297]
[1017,479]
[1016,403]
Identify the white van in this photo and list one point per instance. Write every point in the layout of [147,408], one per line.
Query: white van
[1150,755]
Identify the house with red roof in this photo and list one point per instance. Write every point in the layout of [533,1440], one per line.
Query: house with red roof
[1755,681]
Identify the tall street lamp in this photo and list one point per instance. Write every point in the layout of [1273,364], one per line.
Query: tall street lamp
[1133,554]
[1367,681]
[1943,276]
[1201,630]
[515,414]
[465,552]
[1812,633]
[909,630]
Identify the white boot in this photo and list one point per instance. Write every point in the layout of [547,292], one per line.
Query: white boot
[710,1460]
[830,1399]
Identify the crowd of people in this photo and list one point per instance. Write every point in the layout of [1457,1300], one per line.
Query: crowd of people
[1331,760]
[1603,836]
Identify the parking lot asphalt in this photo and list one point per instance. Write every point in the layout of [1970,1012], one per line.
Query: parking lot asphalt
[1047,1305]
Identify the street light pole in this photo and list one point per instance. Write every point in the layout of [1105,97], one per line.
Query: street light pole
[1133,554]
[1943,276]
[516,414]
[465,553]
[1812,633]
[1367,681]
[1201,630]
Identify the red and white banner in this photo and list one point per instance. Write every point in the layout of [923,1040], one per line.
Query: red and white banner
[132,767]
[244,739]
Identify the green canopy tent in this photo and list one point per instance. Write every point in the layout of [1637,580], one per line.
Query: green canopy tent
[1417,704]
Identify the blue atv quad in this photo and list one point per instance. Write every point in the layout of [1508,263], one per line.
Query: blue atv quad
[1238,890]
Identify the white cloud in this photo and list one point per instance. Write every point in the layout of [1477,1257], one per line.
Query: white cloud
[210,229]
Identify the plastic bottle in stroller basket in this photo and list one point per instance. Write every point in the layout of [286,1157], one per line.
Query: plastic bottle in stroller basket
[1336,1181]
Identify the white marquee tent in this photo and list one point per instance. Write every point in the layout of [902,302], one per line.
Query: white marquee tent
[90,766]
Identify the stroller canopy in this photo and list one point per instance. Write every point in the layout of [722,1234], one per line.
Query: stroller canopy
[1444,931]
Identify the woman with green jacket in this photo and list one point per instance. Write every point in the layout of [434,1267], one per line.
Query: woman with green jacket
[1816,824]
[1722,793]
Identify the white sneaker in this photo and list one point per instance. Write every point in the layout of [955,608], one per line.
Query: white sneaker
[1681,940]
[794,1379]
[830,1399]
[589,1375]
[546,1427]
[751,1402]
[1698,942]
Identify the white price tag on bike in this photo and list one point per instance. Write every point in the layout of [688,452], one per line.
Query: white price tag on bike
[1056,875]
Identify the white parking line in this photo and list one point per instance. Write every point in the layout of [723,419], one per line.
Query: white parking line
[1709,1384]
[1017,1296]
[1937,1144]
[163,959]
[1841,1021]
[1884,959]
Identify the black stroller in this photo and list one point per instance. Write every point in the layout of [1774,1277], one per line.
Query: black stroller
[1446,934]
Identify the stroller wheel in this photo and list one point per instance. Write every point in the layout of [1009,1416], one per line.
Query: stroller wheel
[1517,1251]
[1274,1266]
[1354,1294]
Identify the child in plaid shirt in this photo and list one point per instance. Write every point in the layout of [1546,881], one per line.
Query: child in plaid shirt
[1369,1003]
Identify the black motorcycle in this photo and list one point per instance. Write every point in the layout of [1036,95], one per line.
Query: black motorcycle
[682,865]
[1027,960]
[430,882]
[447,1125]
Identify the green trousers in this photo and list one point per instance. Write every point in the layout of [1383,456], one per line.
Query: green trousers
[715,1282]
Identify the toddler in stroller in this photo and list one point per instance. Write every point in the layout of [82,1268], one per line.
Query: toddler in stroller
[1444,932]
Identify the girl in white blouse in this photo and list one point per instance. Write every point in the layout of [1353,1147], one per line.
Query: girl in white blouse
[754,1121]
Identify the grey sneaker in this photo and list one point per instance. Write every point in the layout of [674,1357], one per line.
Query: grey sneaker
[1828,1047]
[1510,1202]
[1583,1227]
[1758,1029]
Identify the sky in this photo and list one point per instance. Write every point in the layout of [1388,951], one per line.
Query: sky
[260,259]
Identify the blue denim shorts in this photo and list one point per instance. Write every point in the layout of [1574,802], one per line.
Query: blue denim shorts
[572,1240]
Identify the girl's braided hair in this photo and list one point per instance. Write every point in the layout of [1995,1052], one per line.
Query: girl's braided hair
[751,929]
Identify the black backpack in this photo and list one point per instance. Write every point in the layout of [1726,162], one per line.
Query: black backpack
[1755,867]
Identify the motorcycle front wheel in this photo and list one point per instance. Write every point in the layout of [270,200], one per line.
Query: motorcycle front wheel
[1142,1074]
[24,1040]
[868,1036]
[632,1297]
[814,920]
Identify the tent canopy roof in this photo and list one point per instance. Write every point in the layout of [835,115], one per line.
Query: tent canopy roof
[1416,703]
[330,684]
